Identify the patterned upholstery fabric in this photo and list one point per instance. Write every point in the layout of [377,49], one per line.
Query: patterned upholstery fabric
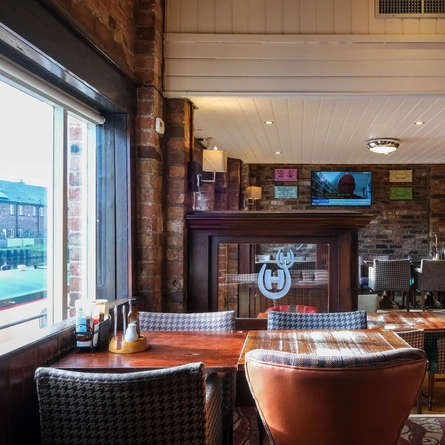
[435,350]
[162,407]
[331,320]
[242,278]
[370,360]
[430,276]
[205,321]
[293,308]
[415,338]
[362,279]
[391,275]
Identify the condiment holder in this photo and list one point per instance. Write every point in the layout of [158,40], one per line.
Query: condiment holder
[130,341]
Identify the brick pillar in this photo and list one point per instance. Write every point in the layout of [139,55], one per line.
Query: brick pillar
[177,156]
[437,204]
[149,156]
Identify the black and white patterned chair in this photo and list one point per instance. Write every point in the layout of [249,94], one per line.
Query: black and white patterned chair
[331,320]
[416,339]
[435,350]
[429,277]
[201,321]
[298,396]
[388,277]
[162,407]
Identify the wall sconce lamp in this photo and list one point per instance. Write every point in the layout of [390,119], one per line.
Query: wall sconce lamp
[253,193]
[214,160]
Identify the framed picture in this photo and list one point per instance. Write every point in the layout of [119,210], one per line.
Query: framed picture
[401,193]
[282,192]
[400,176]
[286,174]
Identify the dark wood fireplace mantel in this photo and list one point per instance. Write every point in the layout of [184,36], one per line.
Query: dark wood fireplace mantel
[339,229]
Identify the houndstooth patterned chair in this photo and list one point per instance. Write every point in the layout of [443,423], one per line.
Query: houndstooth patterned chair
[331,320]
[429,277]
[303,407]
[416,339]
[203,321]
[390,276]
[435,351]
[163,407]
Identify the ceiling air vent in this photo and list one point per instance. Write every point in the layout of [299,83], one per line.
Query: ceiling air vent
[410,8]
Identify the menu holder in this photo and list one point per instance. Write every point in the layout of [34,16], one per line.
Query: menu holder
[92,338]
[119,346]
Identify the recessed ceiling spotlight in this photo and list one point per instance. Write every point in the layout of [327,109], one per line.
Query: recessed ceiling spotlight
[268,122]
[383,145]
[278,152]
[419,123]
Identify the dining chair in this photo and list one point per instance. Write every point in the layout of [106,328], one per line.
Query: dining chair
[363,272]
[200,321]
[429,277]
[322,320]
[293,308]
[161,407]
[389,276]
[435,350]
[335,400]
[416,339]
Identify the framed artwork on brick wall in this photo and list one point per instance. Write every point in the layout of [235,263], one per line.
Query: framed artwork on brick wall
[286,192]
[286,174]
[401,193]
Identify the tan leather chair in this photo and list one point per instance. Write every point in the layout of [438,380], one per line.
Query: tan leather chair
[335,400]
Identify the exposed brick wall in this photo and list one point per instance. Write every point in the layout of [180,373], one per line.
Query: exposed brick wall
[398,228]
[178,153]
[107,23]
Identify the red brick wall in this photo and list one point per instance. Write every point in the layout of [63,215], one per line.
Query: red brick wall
[398,228]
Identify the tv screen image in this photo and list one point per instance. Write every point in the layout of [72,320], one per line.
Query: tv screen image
[341,188]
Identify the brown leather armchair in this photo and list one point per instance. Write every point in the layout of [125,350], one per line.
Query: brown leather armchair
[335,400]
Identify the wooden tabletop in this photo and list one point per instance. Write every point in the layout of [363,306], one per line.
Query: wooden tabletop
[218,350]
[354,342]
[403,320]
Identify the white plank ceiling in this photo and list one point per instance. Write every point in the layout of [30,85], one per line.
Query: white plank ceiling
[329,74]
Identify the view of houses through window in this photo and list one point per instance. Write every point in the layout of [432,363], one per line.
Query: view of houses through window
[47,198]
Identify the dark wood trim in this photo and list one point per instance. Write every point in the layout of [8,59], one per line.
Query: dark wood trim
[339,229]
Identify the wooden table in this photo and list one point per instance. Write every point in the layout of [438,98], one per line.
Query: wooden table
[327,342]
[403,320]
[218,350]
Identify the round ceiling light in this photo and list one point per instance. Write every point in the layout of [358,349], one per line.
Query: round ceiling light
[383,146]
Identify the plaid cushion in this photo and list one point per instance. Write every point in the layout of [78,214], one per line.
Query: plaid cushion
[368,360]
[242,278]
[391,275]
[331,320]
[167,406]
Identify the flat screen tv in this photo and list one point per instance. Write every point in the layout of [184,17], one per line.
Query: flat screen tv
[341,188]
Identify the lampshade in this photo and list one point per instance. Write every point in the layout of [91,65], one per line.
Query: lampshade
[253,192]
[383,146]
[214,160]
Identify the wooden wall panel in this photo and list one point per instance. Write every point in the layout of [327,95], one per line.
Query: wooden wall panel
[289,17]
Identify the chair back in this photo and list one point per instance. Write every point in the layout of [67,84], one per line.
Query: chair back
[203,321]
[390,275]
[335,400]
[167,406]
[414,337]
[293,308]
[331,320]
[432,276]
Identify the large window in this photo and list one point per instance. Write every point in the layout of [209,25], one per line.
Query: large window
[47,204]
